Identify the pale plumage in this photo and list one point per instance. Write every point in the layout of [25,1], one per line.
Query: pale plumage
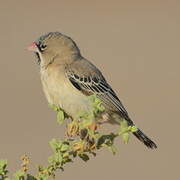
[59,91]
[68,79]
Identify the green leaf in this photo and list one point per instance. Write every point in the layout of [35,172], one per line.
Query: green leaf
[60,117]
[84,157]
[97,105]
[58,158]
[29,177]
[107,140]
[19,175]
[65,147]
[55,159]
[3,170]
[54,107]
[125,137]
[85,123]
[124,131]
[3,164]
[134,128]
[55,145]
[123,127]
[113,149]
[100,107]
[88,116]
[43,176]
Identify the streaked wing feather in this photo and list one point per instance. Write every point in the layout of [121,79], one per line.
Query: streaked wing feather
[97,85]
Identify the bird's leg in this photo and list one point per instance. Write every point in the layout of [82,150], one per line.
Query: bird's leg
[93,126]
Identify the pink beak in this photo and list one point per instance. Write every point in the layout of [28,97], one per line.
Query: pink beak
[33,47]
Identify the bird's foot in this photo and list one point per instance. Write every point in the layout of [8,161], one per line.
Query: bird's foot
[93,126]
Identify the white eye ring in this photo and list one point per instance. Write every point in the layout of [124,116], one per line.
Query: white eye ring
[42,47]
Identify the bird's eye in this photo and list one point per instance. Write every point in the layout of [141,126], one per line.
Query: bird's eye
[42,47]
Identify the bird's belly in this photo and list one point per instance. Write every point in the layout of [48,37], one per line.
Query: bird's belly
[60,92]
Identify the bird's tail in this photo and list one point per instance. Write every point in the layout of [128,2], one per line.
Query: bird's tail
[144,139]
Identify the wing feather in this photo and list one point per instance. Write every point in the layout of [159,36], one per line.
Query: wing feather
[96,84]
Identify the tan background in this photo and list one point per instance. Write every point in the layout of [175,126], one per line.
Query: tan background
[136,45]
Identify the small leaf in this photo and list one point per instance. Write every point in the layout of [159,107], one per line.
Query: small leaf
[19,175]
[58,158]
[55,144]
[42,176]
[3,164]
[84,157]
[54,107]
[51,159]
[66,155]
[97,104]
[100,107]
[65,147]
[106,140]
[85,122]
[60,117]
[125,137]
[83,133]
[78,146]
[123,127]
[30,177]
[113,149]
[134,128]
[3,170]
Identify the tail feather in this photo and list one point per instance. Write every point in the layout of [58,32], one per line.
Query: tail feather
[144,139]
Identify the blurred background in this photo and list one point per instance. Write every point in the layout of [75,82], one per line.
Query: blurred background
[134,43]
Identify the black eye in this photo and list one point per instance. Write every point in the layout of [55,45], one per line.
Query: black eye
[42,47]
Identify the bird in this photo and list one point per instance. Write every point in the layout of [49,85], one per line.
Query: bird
[68,79]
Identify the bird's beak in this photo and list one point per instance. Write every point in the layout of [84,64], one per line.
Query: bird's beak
[33,47]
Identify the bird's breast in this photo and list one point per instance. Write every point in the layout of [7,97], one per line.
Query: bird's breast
[59,91]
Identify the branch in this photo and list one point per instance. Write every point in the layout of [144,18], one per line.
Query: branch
[82,139]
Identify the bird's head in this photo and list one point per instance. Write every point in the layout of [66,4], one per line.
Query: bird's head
[54,47]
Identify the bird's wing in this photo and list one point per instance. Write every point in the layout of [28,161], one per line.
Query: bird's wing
[85,77]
